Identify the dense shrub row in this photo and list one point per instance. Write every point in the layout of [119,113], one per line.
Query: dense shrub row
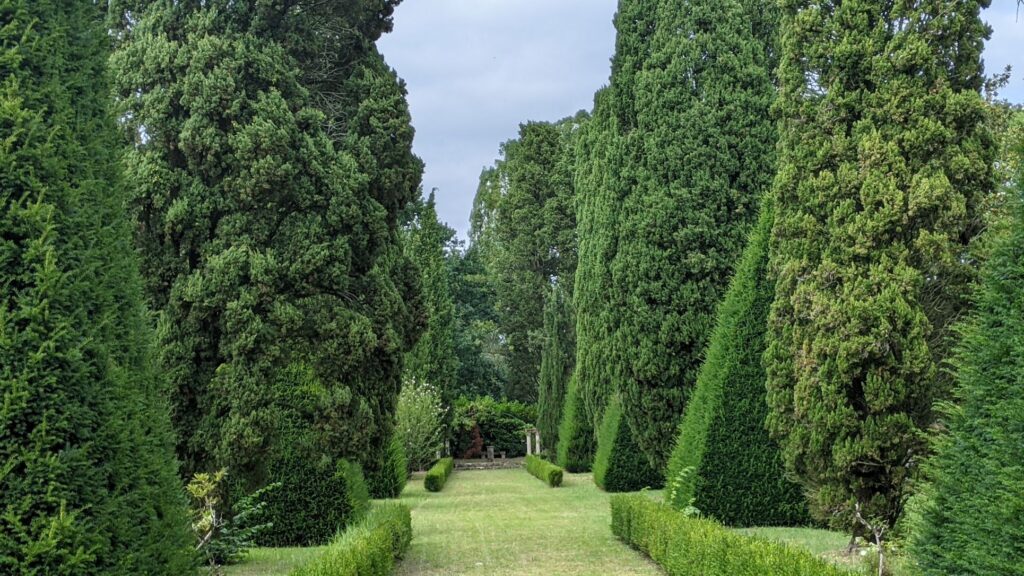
[544,470]
[368,548]
[619,465]
[438,474]
[488,422]
[686,546]
[314,502]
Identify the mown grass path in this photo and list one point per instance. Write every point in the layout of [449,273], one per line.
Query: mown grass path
[504,522]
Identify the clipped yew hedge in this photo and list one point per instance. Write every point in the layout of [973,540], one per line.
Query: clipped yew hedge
[316,500]
[686,546]
[438,474]
[544,470]
[619,465]
[369,548]
[724,462]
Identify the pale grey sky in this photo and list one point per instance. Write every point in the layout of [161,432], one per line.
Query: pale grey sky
[475,69]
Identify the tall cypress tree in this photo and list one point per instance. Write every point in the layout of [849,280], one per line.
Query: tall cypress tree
[972,522]
[556,365]
[700,155]
[598,198]
[535,242]
[433,359]
[724,463]
[89,482]
[266,206]
[883,160]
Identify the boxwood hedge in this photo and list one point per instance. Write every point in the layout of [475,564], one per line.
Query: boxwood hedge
[369,548]
[686,546]
[438,474]
[544,470]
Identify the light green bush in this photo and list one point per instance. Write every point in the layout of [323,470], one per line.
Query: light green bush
[369,548]
[438,474]
[686,546]
[544,470]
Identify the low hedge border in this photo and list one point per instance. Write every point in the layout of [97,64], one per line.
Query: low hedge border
[438,474]
[686,546]
[369,548]
[544,470]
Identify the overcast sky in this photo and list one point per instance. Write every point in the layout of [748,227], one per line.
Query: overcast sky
[475,69]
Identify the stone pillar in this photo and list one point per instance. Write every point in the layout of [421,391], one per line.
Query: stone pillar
[538,442]
[529,442]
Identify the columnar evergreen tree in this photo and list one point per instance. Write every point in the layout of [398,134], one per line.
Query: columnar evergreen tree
[598,199]
[530,248]
[266,207]
[884,159]
[433,359]
[576,431]
[619,465]
[556,365]
[89,482]
[972,521]
[724,463]
[700,154]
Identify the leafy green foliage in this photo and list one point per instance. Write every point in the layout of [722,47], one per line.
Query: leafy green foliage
[433,358]
[223,536]
[438,474]
[724,463]
[89,482]
[526,205]
[499,424]
[576,437]
[685,546]
[544,470]
[267,178]
[420,419]
[556,365]
[482,353]
[619,466]
[314,502]
[972,522]
[884,159]
[698,154]
[370,548]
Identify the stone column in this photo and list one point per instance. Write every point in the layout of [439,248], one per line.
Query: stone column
[529,442]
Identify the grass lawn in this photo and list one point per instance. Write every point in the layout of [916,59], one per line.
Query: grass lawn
[273,561]
[505,522]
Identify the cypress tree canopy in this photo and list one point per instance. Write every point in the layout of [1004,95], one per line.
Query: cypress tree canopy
[89,483]
[699,156]
[266,192]
[883,160]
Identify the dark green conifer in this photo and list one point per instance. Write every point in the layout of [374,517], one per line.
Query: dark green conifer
[972,521]
[884,158]
[556,365]
[619,465]
[697,158]
[267,182]
[724,463]
[89,483]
